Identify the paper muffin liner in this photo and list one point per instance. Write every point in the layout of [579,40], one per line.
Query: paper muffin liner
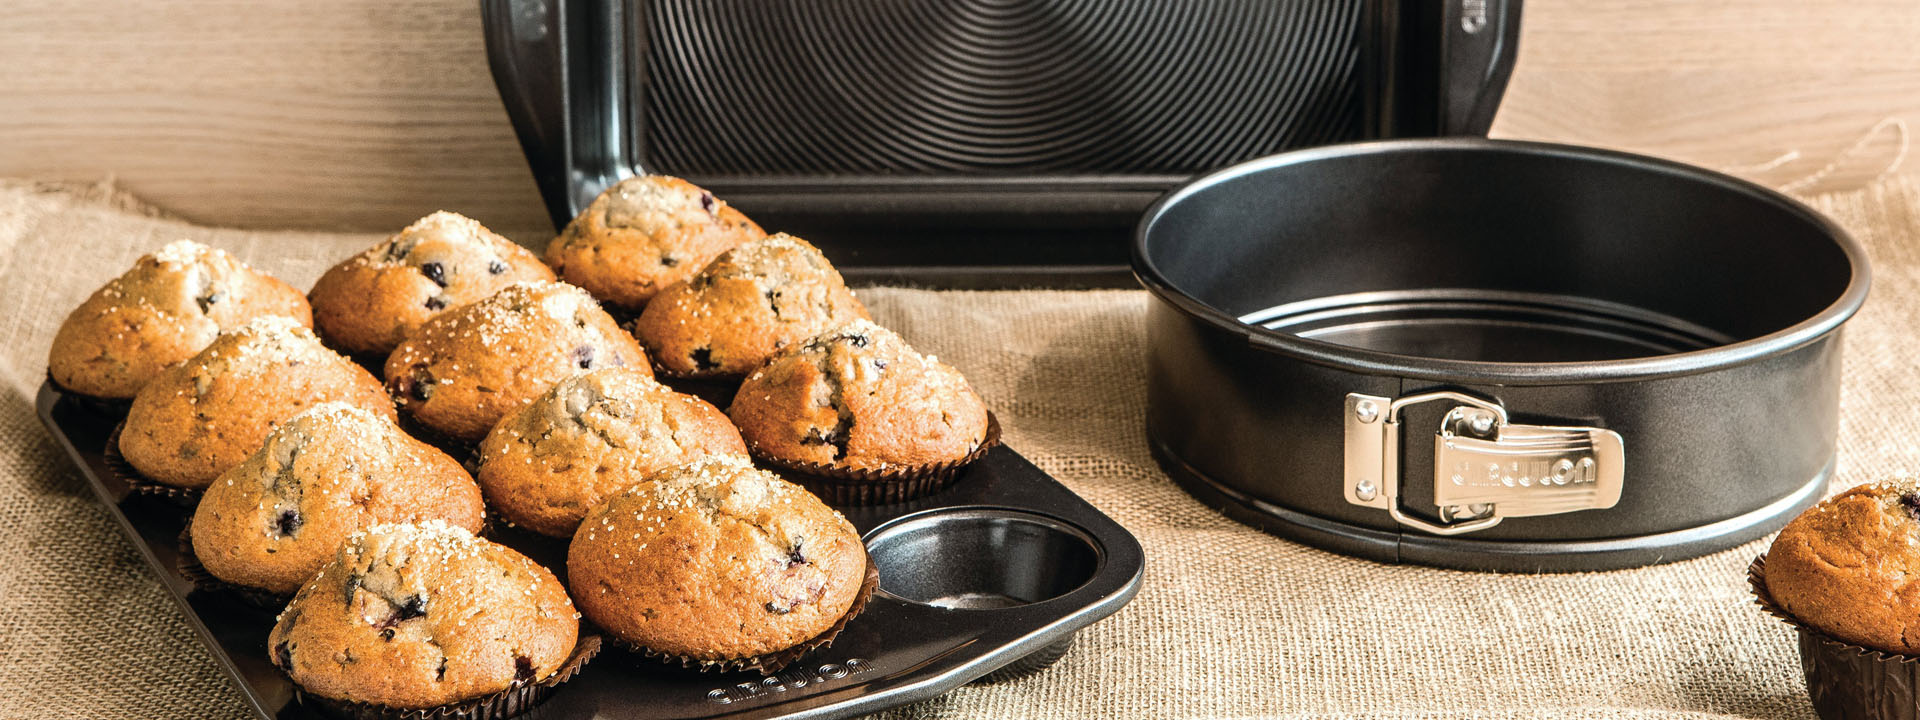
[839,485]
[773,662]
[204,580]
[182,497]
[516,699]
[107,407]
[1846,681]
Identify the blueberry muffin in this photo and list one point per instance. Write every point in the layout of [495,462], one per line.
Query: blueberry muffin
[716,562]
[168,307]
[200,418]
[751,302]
[465,369]
[589,437]
[1846,566]
[423,615]
[857,397]
[369,303]
[644,234]
[274,519]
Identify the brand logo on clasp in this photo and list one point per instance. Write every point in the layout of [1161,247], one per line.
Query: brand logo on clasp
[792,678]
[1473,15]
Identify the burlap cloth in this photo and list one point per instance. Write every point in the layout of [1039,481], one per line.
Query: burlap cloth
[1230,623]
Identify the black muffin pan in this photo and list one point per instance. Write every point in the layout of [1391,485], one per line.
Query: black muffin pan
[986,579]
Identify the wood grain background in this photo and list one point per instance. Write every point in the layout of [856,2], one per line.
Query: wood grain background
[364,114]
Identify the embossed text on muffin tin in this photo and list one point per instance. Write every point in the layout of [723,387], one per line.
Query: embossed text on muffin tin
[793,678]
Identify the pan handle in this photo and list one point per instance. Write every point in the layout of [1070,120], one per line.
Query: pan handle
[526,52]
[1478,42]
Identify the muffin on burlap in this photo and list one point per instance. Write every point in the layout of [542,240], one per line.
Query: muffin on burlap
[465,369]
[202,417]
[274,519]
[718,565]
[859,398]
[589,437]
[1842,574]
[1845,566]
[373,300]
[748,304]
[644,234]
[170,305]
[423,615]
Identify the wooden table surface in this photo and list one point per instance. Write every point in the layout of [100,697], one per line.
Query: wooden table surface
[364,114]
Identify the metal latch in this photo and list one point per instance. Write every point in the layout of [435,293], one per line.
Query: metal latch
[1485,468]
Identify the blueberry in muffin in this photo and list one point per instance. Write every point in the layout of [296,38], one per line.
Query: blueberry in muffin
[273,520]
[748,304]
[468,367]
[857,397]
[423,615]
[371,301]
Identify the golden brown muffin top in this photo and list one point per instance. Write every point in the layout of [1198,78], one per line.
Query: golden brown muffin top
[858,396]
[202,417]
[422,615]
[1850,566]
[168,306]
[643,234]
[588,437]
[749,303]
[515,308]
[716,560]
[369,302]
[273,520]
[259,346]
[465,369]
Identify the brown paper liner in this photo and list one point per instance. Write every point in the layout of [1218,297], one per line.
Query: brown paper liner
[108,407]
[1846,681]
[514,700]
[183,497]
[773,662]
[847,486]
[190,568]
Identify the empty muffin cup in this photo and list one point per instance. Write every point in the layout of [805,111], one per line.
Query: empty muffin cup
[981,558]
[985,559]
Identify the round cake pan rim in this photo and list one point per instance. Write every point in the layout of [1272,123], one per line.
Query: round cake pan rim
[1809,330]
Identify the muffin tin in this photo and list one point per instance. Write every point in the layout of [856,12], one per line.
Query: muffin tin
[987,578]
